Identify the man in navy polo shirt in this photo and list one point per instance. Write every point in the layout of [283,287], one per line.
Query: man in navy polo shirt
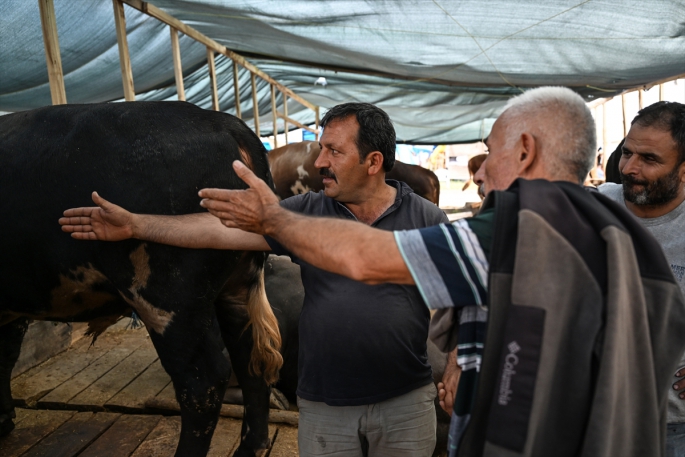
[364,385]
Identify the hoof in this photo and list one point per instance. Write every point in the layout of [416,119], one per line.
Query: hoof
[245,452]
[6,424]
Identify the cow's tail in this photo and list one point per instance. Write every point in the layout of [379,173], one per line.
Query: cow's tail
[266,359]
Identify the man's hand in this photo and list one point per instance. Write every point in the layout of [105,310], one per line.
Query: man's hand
[447,389]
[105,222]
[248,210]
[680,384]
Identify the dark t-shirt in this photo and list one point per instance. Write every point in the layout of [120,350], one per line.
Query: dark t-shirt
[361,344]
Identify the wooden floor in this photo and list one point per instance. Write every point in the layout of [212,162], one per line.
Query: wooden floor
[101,401]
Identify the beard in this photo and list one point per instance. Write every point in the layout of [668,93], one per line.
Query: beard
[651,193]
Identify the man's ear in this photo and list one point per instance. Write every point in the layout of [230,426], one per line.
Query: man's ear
[528,155]
[375,162]
[681,172]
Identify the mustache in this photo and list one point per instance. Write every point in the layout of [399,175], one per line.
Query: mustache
[626,179]
[327,173]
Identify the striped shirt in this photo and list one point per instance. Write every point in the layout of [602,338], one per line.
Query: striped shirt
[449,263]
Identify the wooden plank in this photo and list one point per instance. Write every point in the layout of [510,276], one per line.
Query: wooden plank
[79,382]
[178,66]
[625,115]
[275,115]
[32,428]
[168,393]
[212,79]
[123,437]
[124,57]
[162,441]
[255,104]
[285,116]
[317,121]
[226,437]
[236,90]
[296,123]
[39,381]
[133,397]
[159,14]
[43,339]
[285,444]
[98,393]
[234,411]
[52,54]
[639,98]
[74,435]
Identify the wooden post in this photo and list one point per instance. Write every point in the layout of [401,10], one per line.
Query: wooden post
[212,78]
[625,116]
[52,55]
[255,104]
[178,67]
[661,92]
[639,98]
[275,115]
[316,122]
[604,133]
[236,90]
[285,116]
[124,58]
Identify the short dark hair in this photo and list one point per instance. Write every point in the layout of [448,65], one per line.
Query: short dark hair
[376,132]
[668,116]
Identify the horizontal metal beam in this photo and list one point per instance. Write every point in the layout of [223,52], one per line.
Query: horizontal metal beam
[152,10]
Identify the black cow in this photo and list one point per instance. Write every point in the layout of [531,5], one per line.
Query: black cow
[152,157]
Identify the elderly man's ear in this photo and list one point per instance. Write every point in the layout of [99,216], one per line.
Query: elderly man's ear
[528,156]
[375,161]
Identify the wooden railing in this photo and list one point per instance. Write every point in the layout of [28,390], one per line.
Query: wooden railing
[56,78]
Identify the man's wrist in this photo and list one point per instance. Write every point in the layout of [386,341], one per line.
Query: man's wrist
[137,226]
[275,219]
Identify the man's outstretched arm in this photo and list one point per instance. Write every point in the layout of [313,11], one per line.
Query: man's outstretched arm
[348,248]
[109,222]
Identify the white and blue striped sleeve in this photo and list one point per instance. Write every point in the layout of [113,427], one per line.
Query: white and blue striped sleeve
[447,263]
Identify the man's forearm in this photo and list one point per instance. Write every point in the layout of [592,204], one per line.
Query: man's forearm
[347,248]
[196,231]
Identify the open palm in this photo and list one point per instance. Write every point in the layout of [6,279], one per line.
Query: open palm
[105,222]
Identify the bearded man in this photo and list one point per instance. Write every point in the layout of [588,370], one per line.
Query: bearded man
[652,170]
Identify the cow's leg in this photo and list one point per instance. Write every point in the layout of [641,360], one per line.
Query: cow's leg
[192,356]
[244,291]
[11,336]
[254,438]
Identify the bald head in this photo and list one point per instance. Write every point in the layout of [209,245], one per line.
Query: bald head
[563,128]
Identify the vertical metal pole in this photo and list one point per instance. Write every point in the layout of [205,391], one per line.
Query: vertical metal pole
[661,92]
[316,122]
[285,116]
[212,78]
[236,90]
[275,115]
[52,55]
[255,104]
[178,67]
[639,97]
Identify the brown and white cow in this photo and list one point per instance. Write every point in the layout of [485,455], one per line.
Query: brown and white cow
[293,171]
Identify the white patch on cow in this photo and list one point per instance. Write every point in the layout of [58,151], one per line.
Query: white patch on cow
[301,172]
[309,147]
[299,188]
[154,318]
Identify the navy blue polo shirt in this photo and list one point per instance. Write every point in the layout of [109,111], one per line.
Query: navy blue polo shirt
[361,344]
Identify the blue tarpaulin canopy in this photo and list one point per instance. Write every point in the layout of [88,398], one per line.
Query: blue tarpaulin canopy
[441,69]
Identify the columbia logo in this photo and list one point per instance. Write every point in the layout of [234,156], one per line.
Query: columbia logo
[513,347]
[510,362]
